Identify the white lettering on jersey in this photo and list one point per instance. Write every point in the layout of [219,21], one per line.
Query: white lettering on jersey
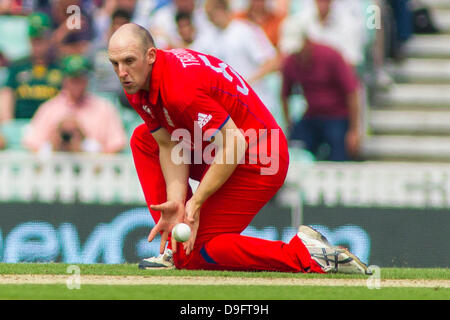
[185,57]
[148,110]
[203,119]
[168,119]
[242,88]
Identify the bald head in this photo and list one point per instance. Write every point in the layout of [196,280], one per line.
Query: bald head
[132,34]
[132,53]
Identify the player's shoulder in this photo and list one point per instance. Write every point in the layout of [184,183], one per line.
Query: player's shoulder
[181,59]
[182,76]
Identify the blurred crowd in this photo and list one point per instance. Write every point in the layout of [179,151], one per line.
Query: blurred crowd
[64,96]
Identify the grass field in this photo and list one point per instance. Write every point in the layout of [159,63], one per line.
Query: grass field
[124,282]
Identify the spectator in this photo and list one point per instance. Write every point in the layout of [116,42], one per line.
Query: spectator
[75,120]
[2,142]
[330,88]
[138,10]
[71,36]
[241,44]
[163,24]
[185,28]
[141,10]
[403,25]
[378,76]
[32,80]
[4,65]
[334,25]
[105,79]
[259,12]
[3,68]
[14,7]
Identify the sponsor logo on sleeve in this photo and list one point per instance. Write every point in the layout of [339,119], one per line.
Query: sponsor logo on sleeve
[203,119]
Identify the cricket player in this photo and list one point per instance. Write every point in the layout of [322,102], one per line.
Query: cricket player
[203,121]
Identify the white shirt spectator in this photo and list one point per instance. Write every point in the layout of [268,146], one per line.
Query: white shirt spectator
[342,30]
[245,47]
[140,15]
[163,26]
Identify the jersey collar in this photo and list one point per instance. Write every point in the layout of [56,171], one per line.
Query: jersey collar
[156,76]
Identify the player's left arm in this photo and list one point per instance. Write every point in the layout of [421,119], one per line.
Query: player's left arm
[231,148]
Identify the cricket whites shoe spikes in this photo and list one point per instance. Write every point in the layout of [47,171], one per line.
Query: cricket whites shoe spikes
[331,259]
[163,261]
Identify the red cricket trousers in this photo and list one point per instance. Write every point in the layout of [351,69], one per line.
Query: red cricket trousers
[219,244]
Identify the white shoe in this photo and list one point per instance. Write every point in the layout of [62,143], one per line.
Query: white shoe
[311,237]
[336,260]
[330,259]
[163,261]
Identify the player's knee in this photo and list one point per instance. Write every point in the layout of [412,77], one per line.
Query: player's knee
[137,135]
[142,139]
[202,256]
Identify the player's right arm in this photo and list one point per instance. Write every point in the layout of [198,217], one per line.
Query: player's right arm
[176,177]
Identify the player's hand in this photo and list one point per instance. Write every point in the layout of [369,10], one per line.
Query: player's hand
[192,219]
[172,212]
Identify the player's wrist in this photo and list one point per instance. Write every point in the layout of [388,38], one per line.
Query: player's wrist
[197,200]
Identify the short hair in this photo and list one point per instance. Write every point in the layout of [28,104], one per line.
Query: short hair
[121,13]
[145,37]
[183,15]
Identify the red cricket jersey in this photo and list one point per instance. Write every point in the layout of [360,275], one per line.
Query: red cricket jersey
[193,91]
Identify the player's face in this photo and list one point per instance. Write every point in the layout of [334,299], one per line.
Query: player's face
[132,66]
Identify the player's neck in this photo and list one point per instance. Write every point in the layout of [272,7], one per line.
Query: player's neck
[146,86]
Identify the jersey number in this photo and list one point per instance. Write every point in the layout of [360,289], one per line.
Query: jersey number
[222,68]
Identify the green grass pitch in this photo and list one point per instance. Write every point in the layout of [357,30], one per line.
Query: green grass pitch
[247,291]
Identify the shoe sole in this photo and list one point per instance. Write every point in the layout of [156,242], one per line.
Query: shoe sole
[313,233]
[146,265]
[361,264]
[155,268]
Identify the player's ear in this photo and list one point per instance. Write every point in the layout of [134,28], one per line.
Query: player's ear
[151,55]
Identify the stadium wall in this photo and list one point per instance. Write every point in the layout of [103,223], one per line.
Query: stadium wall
[90,209]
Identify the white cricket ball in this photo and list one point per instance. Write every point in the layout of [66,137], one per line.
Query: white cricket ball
[181,232]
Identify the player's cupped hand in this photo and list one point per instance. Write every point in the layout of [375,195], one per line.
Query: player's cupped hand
[172,212]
